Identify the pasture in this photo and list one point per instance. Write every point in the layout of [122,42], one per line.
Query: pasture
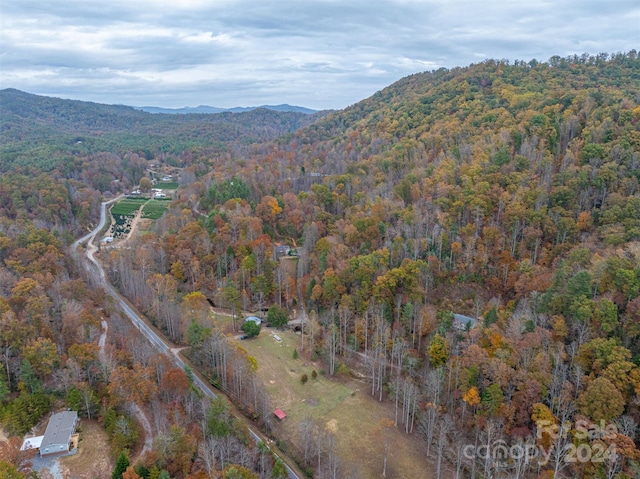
[342,405]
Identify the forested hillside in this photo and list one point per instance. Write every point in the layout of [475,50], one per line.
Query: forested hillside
[63,344]
[508,193]
[43,132]
[504,192]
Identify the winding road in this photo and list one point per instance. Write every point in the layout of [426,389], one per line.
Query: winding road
[156,340]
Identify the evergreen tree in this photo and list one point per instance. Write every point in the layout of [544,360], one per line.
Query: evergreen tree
[279,470]
[277,316]
[28,377]
[251,328]
[4,389]
[121,466]
[491,317]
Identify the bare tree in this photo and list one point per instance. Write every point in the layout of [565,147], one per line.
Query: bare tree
[433,391]
[492,433]
[427,425]
[333,459]
[627,425]
[378,358]
[331,345]
[345,318]
[306,430]
[383,431]
[445,424]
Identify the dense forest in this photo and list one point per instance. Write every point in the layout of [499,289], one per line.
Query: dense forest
[505,192]
[45,132]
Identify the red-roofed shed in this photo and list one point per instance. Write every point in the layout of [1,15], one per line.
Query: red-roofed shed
[279,414]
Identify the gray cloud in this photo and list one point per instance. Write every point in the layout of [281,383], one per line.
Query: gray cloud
[315,53]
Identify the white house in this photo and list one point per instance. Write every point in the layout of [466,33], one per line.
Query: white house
[57,436]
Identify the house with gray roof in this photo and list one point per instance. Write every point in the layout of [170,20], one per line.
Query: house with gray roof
[255,319]
[464,323]
[281,251]
[57,436]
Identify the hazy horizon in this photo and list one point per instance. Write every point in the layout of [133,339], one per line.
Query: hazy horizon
[319,54]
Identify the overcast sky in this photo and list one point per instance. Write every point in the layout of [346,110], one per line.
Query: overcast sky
[314,53]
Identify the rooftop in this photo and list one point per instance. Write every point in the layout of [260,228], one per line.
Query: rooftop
[462,320]
[31,443]
[59,431]
[255,319]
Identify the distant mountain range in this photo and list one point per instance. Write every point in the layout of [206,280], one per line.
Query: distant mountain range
[40,130]
[205,109]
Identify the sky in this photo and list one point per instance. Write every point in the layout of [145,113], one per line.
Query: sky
[320,54]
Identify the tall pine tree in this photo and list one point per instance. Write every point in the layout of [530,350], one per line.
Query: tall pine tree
[121,466]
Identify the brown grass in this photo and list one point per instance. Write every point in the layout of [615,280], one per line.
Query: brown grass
[93,459]
[343,405]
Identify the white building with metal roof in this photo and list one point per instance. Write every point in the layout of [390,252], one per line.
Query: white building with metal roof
[57,436]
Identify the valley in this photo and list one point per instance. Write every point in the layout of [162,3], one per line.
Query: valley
[447,267]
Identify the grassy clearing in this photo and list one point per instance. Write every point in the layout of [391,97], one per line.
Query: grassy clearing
[127,206]
[93,460]
[154,209]
[343,405]
[166,185]
[318,397]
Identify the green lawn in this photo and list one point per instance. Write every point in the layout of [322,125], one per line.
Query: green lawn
[154,209]
[127,206]
[166,185]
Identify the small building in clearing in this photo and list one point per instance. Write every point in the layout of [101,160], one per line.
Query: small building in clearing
[279,413]
[57,436]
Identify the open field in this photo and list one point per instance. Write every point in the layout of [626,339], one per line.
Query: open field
[127,215]
[342,405]
[93,459]
[127,206]
[154,209]
[166,185]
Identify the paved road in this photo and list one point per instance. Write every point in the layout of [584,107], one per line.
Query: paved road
[156,341]
[103,219]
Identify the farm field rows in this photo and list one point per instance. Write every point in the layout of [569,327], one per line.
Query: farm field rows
[125,210]
[127,206]
[154,209]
